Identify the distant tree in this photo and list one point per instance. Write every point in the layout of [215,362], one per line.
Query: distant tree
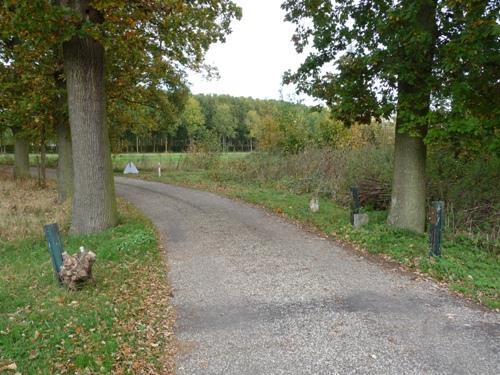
[224,122]
[192,118]
[253,122]
[292,124]
[371,58]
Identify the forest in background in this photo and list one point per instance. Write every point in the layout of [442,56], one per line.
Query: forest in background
[225,123]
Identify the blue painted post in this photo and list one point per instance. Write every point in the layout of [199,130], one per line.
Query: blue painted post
[55,247]
[436,228]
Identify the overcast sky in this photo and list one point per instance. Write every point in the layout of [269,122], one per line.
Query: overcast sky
[255,55]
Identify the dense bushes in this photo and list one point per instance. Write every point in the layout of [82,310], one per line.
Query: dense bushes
[469,186]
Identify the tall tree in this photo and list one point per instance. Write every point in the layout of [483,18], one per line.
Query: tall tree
[25,95]
[65,170]
[153,40]
[253,123]
[94,203]
[224,123]
[372,58]
[192,118]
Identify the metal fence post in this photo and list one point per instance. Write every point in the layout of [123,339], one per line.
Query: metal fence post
[55,247]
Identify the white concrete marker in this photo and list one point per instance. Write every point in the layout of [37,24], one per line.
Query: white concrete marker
[130,169]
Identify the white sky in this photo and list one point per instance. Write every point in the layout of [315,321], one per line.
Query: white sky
[255,55]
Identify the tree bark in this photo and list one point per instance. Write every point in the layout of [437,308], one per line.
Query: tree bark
[21,157]
[94,202]
[408,199]
[64,148]
[408,188]
[65,162]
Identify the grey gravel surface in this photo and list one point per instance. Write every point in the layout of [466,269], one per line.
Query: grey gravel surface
[258,295]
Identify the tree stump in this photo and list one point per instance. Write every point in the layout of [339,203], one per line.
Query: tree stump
[77,268]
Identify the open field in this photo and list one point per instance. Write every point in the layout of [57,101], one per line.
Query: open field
[120,322]
[168,161]
[7,159]
[147,161]
[464,267]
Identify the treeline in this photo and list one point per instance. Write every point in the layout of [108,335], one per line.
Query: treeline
[224,123]
[227,123]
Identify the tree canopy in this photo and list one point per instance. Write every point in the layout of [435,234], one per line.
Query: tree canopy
[136,52]
[358,51]
[433,63]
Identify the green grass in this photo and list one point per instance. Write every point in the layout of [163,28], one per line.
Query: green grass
[169,161]
[464,267]
[105,327]
[8,159]
[147,161]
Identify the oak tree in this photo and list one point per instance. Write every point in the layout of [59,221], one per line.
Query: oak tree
[157,37]
[369,59]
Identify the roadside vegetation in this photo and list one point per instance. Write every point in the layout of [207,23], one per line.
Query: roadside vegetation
[466,266]
[285,182]
[120,322]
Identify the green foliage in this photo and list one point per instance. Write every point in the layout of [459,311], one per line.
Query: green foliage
[368,56]
[192,118]
[149,46]
[248,124]
[224,122]
[469,186]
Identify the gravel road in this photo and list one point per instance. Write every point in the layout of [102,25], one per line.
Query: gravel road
[258,295]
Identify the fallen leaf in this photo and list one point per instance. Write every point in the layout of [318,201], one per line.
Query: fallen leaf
[11,366]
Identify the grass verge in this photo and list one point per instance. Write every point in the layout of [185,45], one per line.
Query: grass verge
[120,322]
[464,267]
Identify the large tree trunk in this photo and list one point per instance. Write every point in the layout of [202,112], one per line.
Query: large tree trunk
[408,200]
[94,202]
[64,148]
[65,162]
[408,187]
[21,156]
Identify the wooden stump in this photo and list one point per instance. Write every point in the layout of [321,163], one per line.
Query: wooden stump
[77,268]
